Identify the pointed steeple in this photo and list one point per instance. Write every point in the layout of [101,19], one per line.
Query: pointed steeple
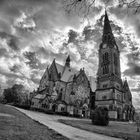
[53,73]
[125,85]
[68,61]
[108,36]
[126,90]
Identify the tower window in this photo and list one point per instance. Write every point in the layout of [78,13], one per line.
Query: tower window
[115,59]
[116,63]
[105,57]
[116,71]
[105,69]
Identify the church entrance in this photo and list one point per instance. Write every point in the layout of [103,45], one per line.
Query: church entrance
[119,113]
[85,112]
[54,108]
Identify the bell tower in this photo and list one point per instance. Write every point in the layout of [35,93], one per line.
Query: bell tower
[108,74]
[109,90]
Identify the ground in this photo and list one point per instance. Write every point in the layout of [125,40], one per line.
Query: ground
[124,130]
[14,125]
[70,132]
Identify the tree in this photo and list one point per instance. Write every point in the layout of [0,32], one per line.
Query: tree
[100,116]
[16,94]
[84,7]
[10,96]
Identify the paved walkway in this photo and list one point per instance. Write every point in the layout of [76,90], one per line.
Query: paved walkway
[70,132]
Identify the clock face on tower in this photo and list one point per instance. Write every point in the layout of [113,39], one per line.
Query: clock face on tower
[104,46]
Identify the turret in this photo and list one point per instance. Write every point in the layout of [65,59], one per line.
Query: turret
[68,61]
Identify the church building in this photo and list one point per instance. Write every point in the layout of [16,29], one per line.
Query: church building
[112,92]
[65,90]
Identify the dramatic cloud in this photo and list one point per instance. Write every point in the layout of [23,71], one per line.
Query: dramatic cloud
[34,32]
[33,61]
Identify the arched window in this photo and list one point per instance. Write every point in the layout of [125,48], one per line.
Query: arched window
[116,63]
[115,59]
[116,71]
[105,69]
[106,56]
[103,58]
[105,38]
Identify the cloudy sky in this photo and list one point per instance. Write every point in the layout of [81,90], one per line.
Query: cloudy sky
[34,32]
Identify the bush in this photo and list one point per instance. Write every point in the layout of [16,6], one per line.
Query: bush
[62,113]
[100,116]
[22,106]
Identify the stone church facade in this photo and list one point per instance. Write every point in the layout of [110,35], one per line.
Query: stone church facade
[112,92]
[63,89]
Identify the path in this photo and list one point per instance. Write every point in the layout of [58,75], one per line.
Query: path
[70,132]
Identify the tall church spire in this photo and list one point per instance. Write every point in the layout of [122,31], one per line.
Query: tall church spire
[107,31]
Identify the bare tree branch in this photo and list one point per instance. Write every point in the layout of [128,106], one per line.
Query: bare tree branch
[84,7]
[133,4]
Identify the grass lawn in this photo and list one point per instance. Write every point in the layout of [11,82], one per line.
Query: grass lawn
[115,129]
[14,125]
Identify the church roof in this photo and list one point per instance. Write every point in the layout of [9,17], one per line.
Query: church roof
[68,72]
[65,71]
[59,68]
[76,73]
[126,89]
[125,85]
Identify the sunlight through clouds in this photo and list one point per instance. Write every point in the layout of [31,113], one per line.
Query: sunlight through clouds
[33,33]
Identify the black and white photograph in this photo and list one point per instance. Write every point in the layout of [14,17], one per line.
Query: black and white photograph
[69,69]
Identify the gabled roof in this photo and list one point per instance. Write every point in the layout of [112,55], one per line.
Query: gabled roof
[65,71]
[81,73]
[68,74]
[59,68]
[53,72]
[126,86]
[126,89]
[45,75]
